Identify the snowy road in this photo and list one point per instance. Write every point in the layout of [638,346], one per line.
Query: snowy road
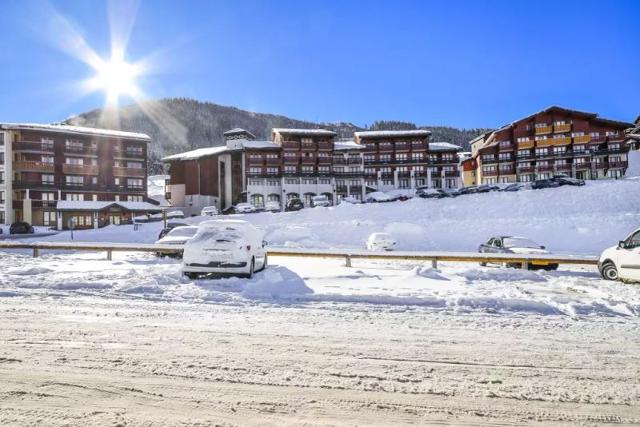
[87,341]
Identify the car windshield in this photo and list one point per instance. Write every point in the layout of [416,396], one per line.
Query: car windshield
[183,232]
[219,234]
[519,242]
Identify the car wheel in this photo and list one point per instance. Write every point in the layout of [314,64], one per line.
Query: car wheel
[252,267]
[192,276]
[265,263]
[483,264]
[609,271]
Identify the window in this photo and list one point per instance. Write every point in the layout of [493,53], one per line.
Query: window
[325,181]
[47,179]
[135,198]
[309,181]
[273,171]
[505,144]
[523,139]
[73,145]
[74,197]
[504,156]
[2,197]
[307,140]
[417,156]
[385,157]
[369,158]
[74,180]
[48,218]
[74,161]
[291,181]
[541,137]
[401,157]
[578,149]
[577,134]
[135,183]
[323,169]
[541,151]
[255,182]
[307,169]
[290,169]
[559,150]
[387,182]
[272,183]
[255,171]
[82,220]
[135,165]
[523,153]
[403,183]
[47,159]
[48,196]
[541,125]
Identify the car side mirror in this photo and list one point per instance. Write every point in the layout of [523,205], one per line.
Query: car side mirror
[622,244]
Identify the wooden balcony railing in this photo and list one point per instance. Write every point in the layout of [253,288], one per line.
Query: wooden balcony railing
[273,161]
[404,147]
[525,169]
[618,165]
[29,165]
[490,173]
[584,139]
[525,145]
[308,160]
[582,165]
[325,160]
[33,146]
[506,147]
[562,128]
[541,130]
[325,146]
[291,159]
[125,172]
[80,169]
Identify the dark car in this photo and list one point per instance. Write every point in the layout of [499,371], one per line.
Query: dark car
[516,245]
[431,193]
[512,187]
[294,205]
[472,189]
[545,183]
[21,228]
[567,180]
[170,226]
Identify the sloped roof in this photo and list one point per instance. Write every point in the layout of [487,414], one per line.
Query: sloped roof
[259,144]
[76,130]
[443,146]
[236,131]
[347,145]
[196,154]
[322,132]
[78,205]
[392,133]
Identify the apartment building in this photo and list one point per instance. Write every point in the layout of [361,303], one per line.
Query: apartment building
[60,176]
[302,163]
[552,141]
[407,159]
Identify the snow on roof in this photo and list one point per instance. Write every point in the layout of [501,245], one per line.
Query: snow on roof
[236,131]
[196,154]
[304,131]
[77,205]
[443,146]
[259,144]
[391,133]
[347,145]
[77,130]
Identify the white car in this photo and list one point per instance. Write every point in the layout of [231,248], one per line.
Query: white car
[350,200]
[381,242]
[378,197]
[209,211]
[272,206]
[225,246]
[178,236]
[175,214]
[320,201]
[622,262]
[244,208]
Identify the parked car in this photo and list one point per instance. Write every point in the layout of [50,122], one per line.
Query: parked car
[622,262]
[209,211]
[486,188]
[178,236]
[244,208]
[567,180]
[381,242]
[401,195]
[272,206]
[294,204]
[21,227]
[472,189]
[544,183]
[225,246]
[431,193]
[377,197]
[321,200]
[512,187]
[516,245]
[175,214]
[350,199]
[170,226]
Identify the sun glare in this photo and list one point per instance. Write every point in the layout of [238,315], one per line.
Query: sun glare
[117,78]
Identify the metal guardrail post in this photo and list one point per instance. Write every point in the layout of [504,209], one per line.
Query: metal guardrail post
[347,262]
[109,255]
[36,252]
[434,264]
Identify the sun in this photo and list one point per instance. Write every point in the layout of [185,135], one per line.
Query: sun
[116,78]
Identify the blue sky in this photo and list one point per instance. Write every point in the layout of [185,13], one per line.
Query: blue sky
[458,63]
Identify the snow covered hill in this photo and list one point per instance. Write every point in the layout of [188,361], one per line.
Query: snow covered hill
[581,220]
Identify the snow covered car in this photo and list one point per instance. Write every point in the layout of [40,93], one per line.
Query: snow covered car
[516,245]
[544,183]
[321,200]
[293,205]
[225,246]
[377,197]
[512,187]
[272,206]
[381,242]
[431,193]
[21,227]
[567,180]
[175,214]
[244,208]
[350,200]
[209,211]
[622,262]
[178,236]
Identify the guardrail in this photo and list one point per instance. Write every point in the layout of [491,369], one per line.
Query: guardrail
[348,255]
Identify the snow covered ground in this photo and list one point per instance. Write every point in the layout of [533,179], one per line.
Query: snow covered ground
[132,341]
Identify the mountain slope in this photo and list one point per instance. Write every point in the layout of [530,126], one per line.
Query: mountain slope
[180,124]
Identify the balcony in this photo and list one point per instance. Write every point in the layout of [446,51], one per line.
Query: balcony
[506,147]
[385,148]
[256,160]
[29,165]
[525,156]
[348,174]
[510,171]
[563,167]
[419,147]
[553,141]
[452,174]
[544,168]
[80,169]
[308,160]
[339,160]
[488,160]
[525,145]
[325,146]
[291,159]
[404,147]
[341,188]
[44,204]
[125,172]
[386,175]
[273,161]
[617,138]
[584,139]
[490,173]
[33,146]
[324,160]
[21,185]
[618,165]
[84,149]
[566,127]
[354,160]
[582,165]
[541,130]
[308,147]
[597,139]
[291,145]
[404,174]
[524,169]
